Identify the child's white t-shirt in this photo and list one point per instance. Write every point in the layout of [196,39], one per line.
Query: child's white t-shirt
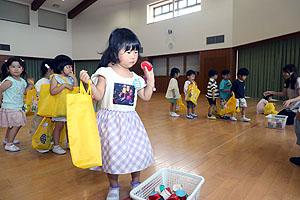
[120,93]
[39,84]
[173,84]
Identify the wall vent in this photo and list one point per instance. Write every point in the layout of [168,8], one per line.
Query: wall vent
[4,47]
[215,39]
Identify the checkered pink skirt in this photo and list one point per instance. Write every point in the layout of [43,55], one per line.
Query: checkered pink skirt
[125,145]
[10,118]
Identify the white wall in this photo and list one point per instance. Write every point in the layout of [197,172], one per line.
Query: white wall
[262,19]
[189,31]
[91,29]
[33,41]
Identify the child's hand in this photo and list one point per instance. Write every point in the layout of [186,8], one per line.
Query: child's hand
[150,76]
[30,81]
[70,87]
[71,74]
[84,76]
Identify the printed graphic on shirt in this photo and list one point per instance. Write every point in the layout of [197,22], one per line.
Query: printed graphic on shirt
[228,84]
[123,94]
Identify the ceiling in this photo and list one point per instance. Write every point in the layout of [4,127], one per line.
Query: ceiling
[67,5]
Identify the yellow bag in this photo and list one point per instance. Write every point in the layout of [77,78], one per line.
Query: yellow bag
[193,93]
[54,105]
[179,105]
[30,101]
[270,109]
[230,106]
[42,138]
[83,131]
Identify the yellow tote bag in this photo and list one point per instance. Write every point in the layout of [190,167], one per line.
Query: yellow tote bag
[54,105]
[193,93]
[83,131]
[179,105]
[42,138]
[230,106]
[30,100]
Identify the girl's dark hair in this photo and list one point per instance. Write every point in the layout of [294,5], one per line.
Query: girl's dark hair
[45,66]
[293,77]
[6,65]
[212,72]
[60,62]
[267,97]
[174,71]
[190,72]
[118,39]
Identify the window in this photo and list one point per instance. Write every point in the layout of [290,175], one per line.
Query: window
[167,9]
[14,12]
[53,20]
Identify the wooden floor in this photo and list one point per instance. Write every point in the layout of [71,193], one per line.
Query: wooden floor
[238,160]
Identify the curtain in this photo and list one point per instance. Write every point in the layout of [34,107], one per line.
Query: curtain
[265,63]
[89,66]
[33,68]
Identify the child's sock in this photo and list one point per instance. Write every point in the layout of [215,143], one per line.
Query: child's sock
[135,184]
[113,193]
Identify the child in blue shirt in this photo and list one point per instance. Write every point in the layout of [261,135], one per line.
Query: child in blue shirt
[225,92]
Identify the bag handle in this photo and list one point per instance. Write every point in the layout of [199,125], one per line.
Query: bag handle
[60,77]
[31,82]
[82,89]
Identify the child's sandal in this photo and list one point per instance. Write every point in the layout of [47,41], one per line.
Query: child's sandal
[113,193]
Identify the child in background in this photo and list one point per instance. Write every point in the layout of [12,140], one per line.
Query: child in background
[212,92]
[238,87]
[173,91]
[260,107]
[12,90]
[46,71]
[63,67]
[225,92]
[124,141]
[189,104]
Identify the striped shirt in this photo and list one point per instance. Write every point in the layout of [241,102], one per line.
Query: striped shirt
[212,85]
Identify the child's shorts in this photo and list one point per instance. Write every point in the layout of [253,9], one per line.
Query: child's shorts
[241,102]
[172,100]
[211,101]
[190,104]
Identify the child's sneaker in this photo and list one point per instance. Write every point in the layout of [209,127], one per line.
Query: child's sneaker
[194,115]
[58,150]
[11,148]
[224,117]
[15,142]
[233,118]
[244,119]
[113,193]
[173,114]
[189,116]
[211,117]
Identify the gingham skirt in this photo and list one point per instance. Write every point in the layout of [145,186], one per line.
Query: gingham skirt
[124,142]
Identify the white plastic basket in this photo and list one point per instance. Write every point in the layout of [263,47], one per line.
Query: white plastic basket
[191,184]
[276,121]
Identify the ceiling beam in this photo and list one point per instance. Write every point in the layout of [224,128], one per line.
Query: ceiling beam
[80,7]
[36,4]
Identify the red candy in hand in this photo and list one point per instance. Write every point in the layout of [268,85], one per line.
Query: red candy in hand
[146,64]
